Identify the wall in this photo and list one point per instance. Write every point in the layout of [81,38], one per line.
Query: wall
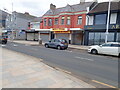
[73,23]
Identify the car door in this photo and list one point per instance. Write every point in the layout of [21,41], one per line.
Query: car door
[115,49]
[51,43]
[105,49]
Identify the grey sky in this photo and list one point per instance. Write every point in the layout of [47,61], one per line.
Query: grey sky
[35,7]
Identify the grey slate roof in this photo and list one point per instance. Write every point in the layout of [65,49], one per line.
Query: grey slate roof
[24,16]
[102,7]
[69,8]
[37,19]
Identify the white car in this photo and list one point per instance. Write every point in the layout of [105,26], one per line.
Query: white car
[110,48]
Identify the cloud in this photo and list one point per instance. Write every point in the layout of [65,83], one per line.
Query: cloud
[35,7]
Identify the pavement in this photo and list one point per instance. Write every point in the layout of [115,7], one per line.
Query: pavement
[23,71]
[80,47]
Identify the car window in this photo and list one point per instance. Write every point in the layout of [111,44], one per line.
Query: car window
[56,40]
[52,40]
[115,45]
[106,45]
[64,41]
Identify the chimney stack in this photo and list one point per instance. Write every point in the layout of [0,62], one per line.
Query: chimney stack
[82,1]
[53,7]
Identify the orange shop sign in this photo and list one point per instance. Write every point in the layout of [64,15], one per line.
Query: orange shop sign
[61,31]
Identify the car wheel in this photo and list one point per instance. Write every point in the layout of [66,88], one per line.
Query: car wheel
[94,51]
[59,47]
[46,45]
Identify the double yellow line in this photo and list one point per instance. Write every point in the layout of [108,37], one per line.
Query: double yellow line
[104,84]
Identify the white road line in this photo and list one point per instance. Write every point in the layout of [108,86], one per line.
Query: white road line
[15,45]
[34,49]
[68,51]
[3,45]
[84,58]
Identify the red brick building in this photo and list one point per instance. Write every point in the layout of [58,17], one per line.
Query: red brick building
[66,22]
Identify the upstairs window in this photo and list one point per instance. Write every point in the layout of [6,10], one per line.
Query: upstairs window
[100,19]
[56,21]
[79,20]
[49,22]
[68,20]
[62,20]
[45,22]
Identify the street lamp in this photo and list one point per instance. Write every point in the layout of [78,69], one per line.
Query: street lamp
[107,26]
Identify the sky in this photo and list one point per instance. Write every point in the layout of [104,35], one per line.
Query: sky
[35,7]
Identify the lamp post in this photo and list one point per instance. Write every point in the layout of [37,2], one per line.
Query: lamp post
[107,26]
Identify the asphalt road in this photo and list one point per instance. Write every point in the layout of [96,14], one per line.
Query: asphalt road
[98,70]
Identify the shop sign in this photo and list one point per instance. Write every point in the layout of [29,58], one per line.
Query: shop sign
[115,26]
[58,29]
[61,31]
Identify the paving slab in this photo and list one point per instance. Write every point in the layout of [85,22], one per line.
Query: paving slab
[24,71]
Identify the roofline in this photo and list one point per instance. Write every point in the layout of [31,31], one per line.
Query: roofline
[65,13]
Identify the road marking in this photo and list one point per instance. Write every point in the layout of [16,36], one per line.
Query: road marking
[84,58]
[68,51]
[62,70]
[3,45]
[15,45]
[27,45]
[104,84]
[34,49]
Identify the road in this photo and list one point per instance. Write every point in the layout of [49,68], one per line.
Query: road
[98,70]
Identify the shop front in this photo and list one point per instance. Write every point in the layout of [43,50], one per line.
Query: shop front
[31,35]
[95,35]
[62,34]
[44,34]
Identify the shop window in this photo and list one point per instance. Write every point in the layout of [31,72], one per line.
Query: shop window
[49,22]
[62,20]
[118,37]
[110,37]
[79,20]
[100,19]
[45,22]
[56,21]
[91,38]
[68,20]
[102,38]
[98,38]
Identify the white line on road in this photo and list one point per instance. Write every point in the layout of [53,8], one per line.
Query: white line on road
[15,45]
[68,51]
[84,58]
[34,49]
[3,45]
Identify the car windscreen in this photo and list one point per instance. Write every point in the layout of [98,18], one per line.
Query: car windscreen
[64,41]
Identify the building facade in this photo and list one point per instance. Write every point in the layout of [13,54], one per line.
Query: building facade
[33,26]
[66,22]
[95,30]
[18,22]
[3,16]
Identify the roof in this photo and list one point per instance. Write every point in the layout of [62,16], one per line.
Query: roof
[23,15]
[37,19]
[103,7]
[69,8]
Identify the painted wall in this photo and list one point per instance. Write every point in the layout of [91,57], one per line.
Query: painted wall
[73,22]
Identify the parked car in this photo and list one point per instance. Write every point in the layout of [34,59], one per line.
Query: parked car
[110,48]
[3,39]
[57,43]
